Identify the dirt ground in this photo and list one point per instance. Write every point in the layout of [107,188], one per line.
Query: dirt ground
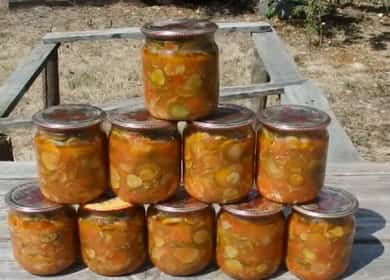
[352,65]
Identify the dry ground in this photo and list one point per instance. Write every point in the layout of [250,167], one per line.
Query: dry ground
[352,65]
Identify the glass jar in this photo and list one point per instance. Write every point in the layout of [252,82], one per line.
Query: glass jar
[43,233]
[291,153]
[181,235]
[180,69]
[144,157]
[250,238]
[70,150]
[112,236]
[218,155]
[320,236]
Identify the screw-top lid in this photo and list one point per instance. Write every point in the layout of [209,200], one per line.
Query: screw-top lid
[28,198]
[178,29]
[107,204]
[181,203]
[254,206]
[137,119]
[69,117]
[330,203]
[227,116]
[294,118]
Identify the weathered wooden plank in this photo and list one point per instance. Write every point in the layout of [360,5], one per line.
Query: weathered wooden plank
[6,148]
[277,61]
[21,79]
[135,33]
[50,81]
[341,149]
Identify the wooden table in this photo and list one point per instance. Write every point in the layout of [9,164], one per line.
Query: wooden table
[370,182]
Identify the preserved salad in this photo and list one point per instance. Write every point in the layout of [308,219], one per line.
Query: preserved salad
[181,236]
[180,69]
[250,238]
[71,153]
[144,157]
[320,236]
[218,155]
[43,233]
[292,152]
[112,236]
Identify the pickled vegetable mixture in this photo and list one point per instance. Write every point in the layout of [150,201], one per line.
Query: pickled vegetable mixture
[143,169]
[291,167]
[44,244]
[218,167]
[113,245]
[181,244]
[72,168]
[249,248]
[319,249]
[181,82]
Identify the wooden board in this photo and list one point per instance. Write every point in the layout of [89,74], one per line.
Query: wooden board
[341,148]
[135,33]
[21,79]
[370,182]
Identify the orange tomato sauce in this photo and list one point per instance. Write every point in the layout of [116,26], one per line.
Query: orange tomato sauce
[319,249]
[291,166]
[144,169]
[181,244]
[44,244]
[250,248]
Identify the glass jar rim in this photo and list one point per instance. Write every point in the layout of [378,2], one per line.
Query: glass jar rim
[181,203]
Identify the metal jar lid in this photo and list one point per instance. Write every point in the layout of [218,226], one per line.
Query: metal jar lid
[330,203]
[28,198]
[69,117]
[137,119]
[254,206]
[227,116]
[108,204]
[181,203]
[178,29]
[294,118]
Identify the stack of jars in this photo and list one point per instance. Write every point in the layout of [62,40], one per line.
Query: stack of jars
[217,158]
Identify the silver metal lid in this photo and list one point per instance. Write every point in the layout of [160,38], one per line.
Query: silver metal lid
[330,203]
[107,204]
[137,119]
[294,118]
[69,117]
[181,203]
[178,29]
[254,206]
[227,116]
[28,198]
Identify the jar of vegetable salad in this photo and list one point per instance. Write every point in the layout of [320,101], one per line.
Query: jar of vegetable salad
[71,153]
[144,156]
[43,233]
[181,235]
[250,238]
[218,155]
[321,234]
[112,236]
[291,153]
[180,69]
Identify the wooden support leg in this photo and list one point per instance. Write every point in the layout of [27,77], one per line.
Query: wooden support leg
[51,91]
[6,148]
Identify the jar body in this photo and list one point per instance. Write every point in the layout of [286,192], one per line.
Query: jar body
[181,243]
[250,248]
[291,165]
[218,163]
[72,165]
[181,77]
[144,166]
[113,243]
[317,248]
[44,243]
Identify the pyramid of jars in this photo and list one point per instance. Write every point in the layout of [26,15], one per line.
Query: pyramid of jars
[215,191]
